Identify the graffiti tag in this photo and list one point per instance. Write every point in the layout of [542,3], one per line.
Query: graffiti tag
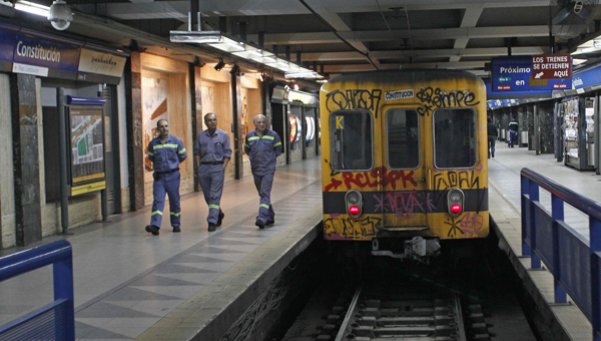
[433,99]
[379,176]
[346,227]
[454,179]
[354,99]
[404,203]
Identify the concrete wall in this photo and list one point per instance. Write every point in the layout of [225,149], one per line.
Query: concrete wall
[7,189]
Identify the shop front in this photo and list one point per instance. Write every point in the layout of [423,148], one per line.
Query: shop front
[41,72]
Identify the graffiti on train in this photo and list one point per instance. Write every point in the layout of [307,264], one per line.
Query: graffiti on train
[435,98]
[340,226]
[354,99]
[404,202]
[467,225]
[379,176]
[456,179]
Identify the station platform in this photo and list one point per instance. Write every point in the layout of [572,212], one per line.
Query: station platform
[193,285]
[130,285]
[561,321]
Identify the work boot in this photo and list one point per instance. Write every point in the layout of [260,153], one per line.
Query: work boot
[221,216]
[212,227]
[260,224]
[176,229]
[152,229]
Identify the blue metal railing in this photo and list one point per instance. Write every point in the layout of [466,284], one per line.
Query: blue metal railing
[573,261]
[54,321]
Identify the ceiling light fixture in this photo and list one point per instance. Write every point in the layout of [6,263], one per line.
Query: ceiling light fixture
[217,40]
[32,8]
[219,65]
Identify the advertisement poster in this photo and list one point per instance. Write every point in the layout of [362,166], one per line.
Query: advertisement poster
[87,149]
[154,108]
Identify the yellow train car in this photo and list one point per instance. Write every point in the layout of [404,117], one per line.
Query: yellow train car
[404,158]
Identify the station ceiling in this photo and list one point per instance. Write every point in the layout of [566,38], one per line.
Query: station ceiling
[337,36]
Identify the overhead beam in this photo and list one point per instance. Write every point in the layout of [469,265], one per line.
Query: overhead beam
[470,19]
[300,38]
[279,7]
[337,24]
[469,52]
[395,66]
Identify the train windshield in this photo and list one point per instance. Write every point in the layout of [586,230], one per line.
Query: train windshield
[351,147]
[454,138]
[403,147]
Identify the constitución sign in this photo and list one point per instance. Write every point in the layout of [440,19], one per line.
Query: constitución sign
[532,73]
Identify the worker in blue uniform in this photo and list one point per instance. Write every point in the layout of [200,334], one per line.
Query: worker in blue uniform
[263,146]
[213,152]
[166,153]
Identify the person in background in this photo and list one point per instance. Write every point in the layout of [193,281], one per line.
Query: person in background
[513,133]
[493,134]
[166,153]
[213,153]
[263,146]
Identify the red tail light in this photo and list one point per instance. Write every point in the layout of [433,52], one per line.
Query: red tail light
[455,201]
[354,210]
[456,208]
[354,203]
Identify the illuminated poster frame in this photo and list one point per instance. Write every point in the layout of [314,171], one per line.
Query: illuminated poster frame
[85,134]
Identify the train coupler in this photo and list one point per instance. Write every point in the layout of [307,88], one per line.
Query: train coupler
[417,248]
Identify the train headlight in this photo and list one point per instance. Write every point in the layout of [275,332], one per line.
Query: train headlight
[354,203]
[455,201]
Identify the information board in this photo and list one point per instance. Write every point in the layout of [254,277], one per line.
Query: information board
[532,73]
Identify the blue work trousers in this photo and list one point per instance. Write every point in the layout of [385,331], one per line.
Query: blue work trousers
[212,188]
[263,183]
[166,183]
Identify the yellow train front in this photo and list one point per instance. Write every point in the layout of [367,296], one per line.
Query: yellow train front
[404,159]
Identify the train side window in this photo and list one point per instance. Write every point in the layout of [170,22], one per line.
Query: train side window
[454,138]
[351,145]
[403,146]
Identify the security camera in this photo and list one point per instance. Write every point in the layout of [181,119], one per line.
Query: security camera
[60,15]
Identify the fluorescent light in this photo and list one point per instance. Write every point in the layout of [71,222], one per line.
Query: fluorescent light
[200,37]
[242,50]
[578,61]
[306,73]
[33,8]
[588,46]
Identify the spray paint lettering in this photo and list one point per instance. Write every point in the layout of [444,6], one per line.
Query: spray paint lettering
[454,179]
[455,228]
[404,203]
[349,228]
[354,99]
[379,176]
[433,99]
[468,225]
[471,224]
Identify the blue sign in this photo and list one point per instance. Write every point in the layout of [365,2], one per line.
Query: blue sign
[587,78]
[47,53]
[7,41]
[521,74]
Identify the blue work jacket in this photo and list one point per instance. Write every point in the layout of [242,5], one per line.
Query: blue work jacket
[167,155]
[263,151]
[213,149]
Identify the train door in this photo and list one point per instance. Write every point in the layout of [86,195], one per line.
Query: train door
[456,146]
[404,197]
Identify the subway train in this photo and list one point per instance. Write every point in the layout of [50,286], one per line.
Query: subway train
[404,160]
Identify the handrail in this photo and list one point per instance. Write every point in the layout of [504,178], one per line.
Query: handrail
[574,262]
[59,254]
[586,205]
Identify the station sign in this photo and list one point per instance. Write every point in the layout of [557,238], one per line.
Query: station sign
[7,41]
[532,73]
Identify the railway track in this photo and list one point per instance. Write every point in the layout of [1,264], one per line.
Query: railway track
[379,314]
